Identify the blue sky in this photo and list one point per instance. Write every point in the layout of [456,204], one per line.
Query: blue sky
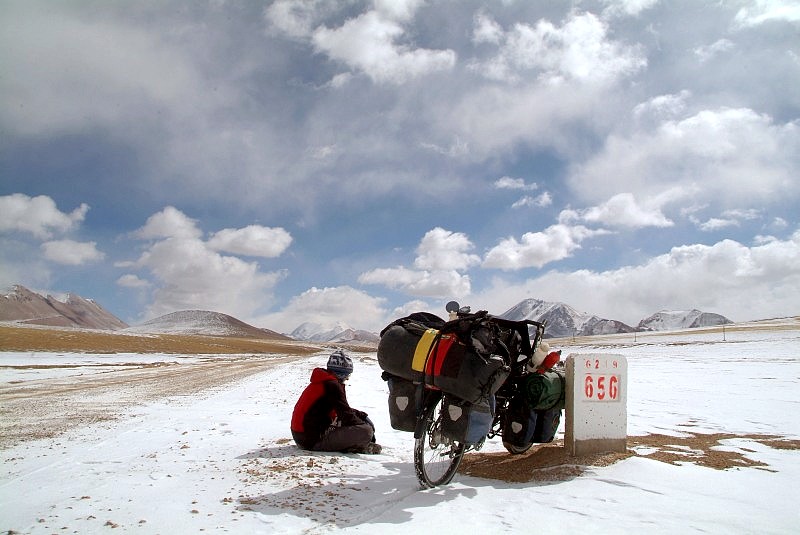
[323,160]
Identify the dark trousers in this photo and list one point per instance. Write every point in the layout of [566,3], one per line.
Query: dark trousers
[349,437]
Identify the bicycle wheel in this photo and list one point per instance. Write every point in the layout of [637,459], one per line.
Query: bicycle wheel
[516,450]
[436,457]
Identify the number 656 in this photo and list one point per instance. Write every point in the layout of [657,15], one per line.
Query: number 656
[601,387]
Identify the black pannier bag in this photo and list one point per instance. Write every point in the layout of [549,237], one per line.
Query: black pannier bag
[457,369]
[466,422]
[405,343]
[519,422]
[547,424]
[402,403]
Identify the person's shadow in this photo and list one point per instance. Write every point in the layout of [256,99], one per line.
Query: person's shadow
[282,448]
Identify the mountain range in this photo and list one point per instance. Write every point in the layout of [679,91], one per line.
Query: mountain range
[24,306]
[562,320]
[339,333]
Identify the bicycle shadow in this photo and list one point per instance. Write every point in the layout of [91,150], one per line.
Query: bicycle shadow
[334,488]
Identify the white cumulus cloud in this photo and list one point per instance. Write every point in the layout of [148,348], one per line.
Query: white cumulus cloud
[623,210]
[169,223]
[71,253]
[627,7]
[189,273]
[368,44]
[419,283]
[253,240]
[728,277]
[579,49]
[762,11]
[727,157]
[132,281]
[508,182]
[442,255]
[442,249]
[38,216]
[539,201]
[327,307]
[535,249]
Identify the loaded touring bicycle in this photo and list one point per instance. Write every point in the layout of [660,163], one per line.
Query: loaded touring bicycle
[456,383]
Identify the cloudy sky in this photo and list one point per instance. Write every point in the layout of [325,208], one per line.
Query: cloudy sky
[322,160]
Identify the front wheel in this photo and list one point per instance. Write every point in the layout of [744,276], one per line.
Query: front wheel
[436,457]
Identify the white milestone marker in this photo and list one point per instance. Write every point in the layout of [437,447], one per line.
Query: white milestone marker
[596,404]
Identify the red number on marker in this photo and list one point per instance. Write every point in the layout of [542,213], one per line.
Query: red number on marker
[601,387]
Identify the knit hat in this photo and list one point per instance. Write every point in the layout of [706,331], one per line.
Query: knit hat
[340,364]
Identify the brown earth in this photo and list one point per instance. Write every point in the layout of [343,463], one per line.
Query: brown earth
[552,462]
[18,338]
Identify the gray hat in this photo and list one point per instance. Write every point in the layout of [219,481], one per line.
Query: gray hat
[340,364]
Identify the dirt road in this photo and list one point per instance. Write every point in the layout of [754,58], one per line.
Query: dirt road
[43,408]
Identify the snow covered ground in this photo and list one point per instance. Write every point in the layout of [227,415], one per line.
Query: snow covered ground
[222,461]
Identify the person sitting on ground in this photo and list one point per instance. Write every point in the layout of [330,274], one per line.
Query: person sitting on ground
[323,419]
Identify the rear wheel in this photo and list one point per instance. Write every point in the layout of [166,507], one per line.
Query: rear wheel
[436,457]
[516,450]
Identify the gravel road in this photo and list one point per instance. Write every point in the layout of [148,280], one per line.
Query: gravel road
[43,408]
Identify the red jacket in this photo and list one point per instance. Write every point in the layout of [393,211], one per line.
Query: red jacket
[323,400]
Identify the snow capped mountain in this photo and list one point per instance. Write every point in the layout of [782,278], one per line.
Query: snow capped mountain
[562,320]
[316,332]
[669,320]
[25,306]
[350,336]
[203,322]
[338,332]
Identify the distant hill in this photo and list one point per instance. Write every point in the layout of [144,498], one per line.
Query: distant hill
[562,320]
[24,306]
[669,320]
[204,322]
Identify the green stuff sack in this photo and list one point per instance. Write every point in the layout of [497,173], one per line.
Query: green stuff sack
[545,390]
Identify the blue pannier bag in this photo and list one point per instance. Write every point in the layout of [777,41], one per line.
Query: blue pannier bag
[466,422]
